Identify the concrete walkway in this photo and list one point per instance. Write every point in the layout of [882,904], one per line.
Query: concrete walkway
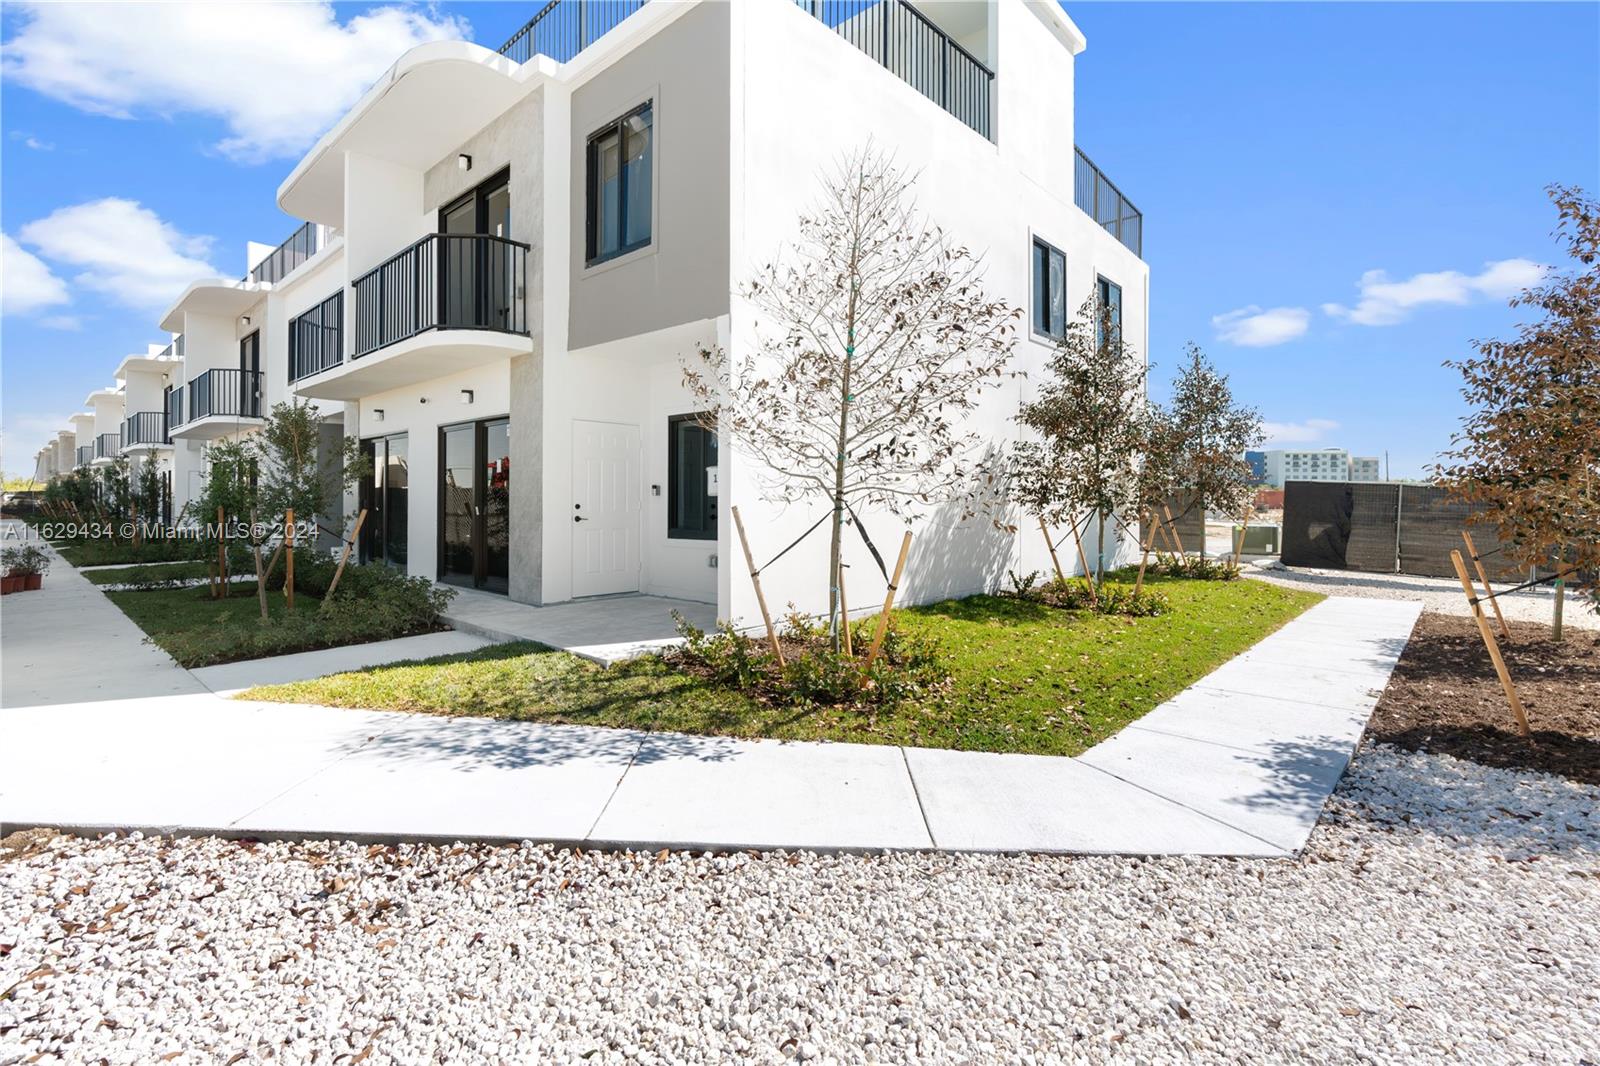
[602,629]
[105,732]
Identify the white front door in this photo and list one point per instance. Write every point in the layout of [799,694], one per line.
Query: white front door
[605,508]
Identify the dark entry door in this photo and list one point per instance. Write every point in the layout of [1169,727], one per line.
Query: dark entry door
[250,376]
[475,505]
[384,495]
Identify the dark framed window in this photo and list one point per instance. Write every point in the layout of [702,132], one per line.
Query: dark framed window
[1049,290]
[1108,296]
[485,208]
[618,201]
[691,478]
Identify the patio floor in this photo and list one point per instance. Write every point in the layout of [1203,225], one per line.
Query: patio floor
[603,629]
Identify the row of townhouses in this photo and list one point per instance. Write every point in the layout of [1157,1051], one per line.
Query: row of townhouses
[506,255]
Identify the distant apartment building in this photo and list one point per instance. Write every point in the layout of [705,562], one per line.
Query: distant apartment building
[1321,464]
[1366,468]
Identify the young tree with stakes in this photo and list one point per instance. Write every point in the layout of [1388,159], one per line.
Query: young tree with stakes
[1213,433]
[875,338]
[1090,418]
[1529,452]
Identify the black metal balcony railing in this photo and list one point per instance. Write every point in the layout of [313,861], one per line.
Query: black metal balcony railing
[108,446]
[316,338]
[85,454]
[563,28]
[1104,202]
[228,393]
[905,41]
[174,410]
[302,244]
[443,281]
[146,427]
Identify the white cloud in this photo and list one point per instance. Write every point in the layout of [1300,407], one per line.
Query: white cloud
[26,283]
[122,249]
[71,323]
[1384,302]
[1279,434]
[1251,327]
[278,74]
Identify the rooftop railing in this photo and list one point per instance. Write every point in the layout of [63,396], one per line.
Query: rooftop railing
[912,47]
[302,244]
[1104,202]
[563,28]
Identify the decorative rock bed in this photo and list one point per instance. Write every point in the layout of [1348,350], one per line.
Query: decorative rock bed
[1442,911]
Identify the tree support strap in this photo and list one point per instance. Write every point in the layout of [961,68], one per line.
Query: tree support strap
[1475,600]
[862,529]
[792,546]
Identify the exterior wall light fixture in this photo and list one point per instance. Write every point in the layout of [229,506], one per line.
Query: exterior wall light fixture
[464,161]
[377,414]
[466,395]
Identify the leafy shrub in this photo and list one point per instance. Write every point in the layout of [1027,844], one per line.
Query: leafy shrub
[1073,595]
[1193,567]
[813,673]
[25,559]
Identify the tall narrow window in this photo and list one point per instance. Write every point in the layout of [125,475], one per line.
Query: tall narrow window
[1109,297]
[1049,291]
[619,186]
[691,479]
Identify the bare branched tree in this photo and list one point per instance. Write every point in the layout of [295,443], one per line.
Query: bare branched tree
[1529,452]
[1090,417]
[876,338]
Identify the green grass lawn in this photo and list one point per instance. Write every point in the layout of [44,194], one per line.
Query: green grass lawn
[197,630]
[179,571]
[100,552]
[1027,678]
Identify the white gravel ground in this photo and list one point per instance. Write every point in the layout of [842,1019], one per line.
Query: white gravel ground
[1442,912]
[1443,595]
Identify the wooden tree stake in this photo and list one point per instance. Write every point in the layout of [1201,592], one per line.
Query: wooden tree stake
[344,557]
[1489,642]
[755,579]
[1244,530]
[1050,543]
[288,560]
[1172,529]
[1083,560]
[888,600]
[844,614]
[1144,555]
[1488,593]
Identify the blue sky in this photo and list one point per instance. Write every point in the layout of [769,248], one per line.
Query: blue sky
[1280,154]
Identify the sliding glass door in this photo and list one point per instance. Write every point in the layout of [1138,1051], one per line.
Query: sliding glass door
[475,505]
[385,495]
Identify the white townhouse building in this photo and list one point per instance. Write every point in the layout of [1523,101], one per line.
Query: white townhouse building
[507,255]
[83,437]
[107,427]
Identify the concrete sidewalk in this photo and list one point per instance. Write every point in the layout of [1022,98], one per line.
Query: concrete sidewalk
[1239,764]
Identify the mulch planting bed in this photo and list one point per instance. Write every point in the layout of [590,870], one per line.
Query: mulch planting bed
[1444,697]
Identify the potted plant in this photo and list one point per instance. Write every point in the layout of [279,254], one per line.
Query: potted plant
[25,568]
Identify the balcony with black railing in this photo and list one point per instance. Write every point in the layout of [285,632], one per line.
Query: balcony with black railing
[85,454]
[445,281]
[219,399]
[107,446]
[563,28]
[146,429]
[301,245]
[174,410]
[316,338]
[913,47]
[1102,201]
